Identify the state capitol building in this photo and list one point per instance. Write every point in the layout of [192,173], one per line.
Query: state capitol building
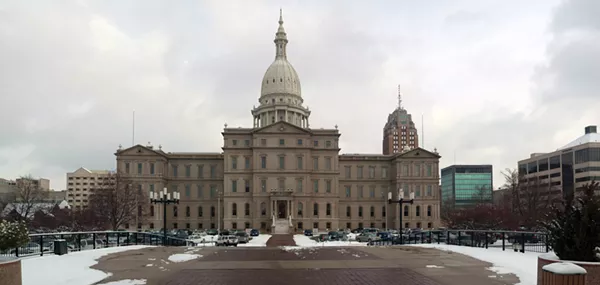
[283,172]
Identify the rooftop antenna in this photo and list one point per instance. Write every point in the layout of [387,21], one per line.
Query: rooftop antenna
[133,130]
[422,131]
[399,98]
[454,157]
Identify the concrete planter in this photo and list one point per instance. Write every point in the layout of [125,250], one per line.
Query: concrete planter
[10,271]
[592,268]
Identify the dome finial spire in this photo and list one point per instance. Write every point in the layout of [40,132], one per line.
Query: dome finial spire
[281,38]
[280,16]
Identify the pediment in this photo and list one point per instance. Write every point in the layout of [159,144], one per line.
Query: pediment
[139,150]
[81,170]
[419,153]
[281,128]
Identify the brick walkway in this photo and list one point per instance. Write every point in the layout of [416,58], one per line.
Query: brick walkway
[281,240]
[314,266]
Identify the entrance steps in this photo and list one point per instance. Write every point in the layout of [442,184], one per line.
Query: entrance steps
[281,227]
[281,240]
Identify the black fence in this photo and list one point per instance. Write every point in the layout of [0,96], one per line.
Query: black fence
[517,241]
[40,244]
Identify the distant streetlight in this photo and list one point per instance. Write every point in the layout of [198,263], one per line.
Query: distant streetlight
[164,198]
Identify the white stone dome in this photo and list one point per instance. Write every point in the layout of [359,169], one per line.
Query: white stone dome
[281,78]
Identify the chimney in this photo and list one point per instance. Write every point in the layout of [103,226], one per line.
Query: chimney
[590,130]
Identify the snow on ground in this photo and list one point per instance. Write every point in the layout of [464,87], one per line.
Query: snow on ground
[259,241]
[183,257]
[70,269]
[523,265]
[303,241]
[126,282]
[206,239]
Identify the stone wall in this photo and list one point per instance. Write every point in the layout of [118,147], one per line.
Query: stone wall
[10,272]
[592,268]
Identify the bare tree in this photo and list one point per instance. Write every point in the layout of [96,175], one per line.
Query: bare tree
[118,202]
[28,197]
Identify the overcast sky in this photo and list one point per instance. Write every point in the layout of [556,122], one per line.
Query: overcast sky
[494,80]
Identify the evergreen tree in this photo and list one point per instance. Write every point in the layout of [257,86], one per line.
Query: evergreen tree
[574,229]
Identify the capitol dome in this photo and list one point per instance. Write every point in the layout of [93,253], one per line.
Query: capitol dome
[281,77]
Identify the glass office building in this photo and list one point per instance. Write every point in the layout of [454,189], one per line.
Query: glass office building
[466,185]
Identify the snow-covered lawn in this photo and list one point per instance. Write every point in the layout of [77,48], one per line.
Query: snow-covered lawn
[127,282]
[523,265]
[303,241]
[70,269]
[258,241]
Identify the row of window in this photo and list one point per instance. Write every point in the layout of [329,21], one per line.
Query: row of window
[281,159]
[282,142]
[299,225]
[175,170]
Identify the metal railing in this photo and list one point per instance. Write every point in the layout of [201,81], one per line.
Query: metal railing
[41,244]
[518,241]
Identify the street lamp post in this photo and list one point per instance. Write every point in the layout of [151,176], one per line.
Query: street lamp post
[401,202]
[164,198]
[219,212]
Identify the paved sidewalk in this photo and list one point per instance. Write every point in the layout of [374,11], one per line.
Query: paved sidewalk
[315,266]
[281,240]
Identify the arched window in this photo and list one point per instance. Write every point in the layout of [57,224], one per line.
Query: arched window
[263,209]
[212,211]
[383,211]
[200,211]
[174,211]
[360,211]
[247,209]
[315,209]
[300,209]
[406,211]
[152,211]
[187,211]
[328,209]
[372,211]
[428,211]
[234,209]
[348,211]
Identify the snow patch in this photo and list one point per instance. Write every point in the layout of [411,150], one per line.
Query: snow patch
[127,282]
[434,266]
[564,268]
[183,257]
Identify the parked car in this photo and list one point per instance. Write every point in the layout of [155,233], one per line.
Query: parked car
[384,236]
[212,232]
[254,233]
[308,232]
[227,241]
[242,237]
[367,237]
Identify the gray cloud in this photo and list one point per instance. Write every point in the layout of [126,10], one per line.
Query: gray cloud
[72,72]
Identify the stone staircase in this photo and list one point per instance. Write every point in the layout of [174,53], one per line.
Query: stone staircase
[281,227]
[281,240]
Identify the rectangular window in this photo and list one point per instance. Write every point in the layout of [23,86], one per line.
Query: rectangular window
[328,163]
[200,171]
[300,163]
[188,171]
[371,191]
[234,142]
[263,185]
[152,168]
[348,191]
[247,142]
[359,172]
[263,142]
[299,185]
[200,190]
[315,163]
[139,169]
[213,191]
[174,170]
[247,186]
[281,184]
[299,141]
[417,190]
[328,186]
[281,142]
[213,171]
[328,144]
[383,192]
[429,172]
[316,143]
[282,162]
[234,186]
[263,162]
[316,186]
[371,172]
[405,170]
[384,172]
[234,162]
[348,171]
[151,187]
[429,191]
[188,192]
[127,167]
[417,170]
[360,191]
[247,162]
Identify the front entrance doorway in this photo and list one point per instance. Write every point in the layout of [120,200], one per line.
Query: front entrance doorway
[281,210]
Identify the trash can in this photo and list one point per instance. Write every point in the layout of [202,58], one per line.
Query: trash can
[60,247]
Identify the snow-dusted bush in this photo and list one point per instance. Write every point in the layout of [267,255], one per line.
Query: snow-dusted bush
[574,231]
[13,235]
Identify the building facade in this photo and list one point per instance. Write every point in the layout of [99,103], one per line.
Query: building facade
[283,171]
[80,184]
[566,170]
[399,132]
[467,185]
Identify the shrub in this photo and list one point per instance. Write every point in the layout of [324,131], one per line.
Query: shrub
[574,230]
[13,235]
